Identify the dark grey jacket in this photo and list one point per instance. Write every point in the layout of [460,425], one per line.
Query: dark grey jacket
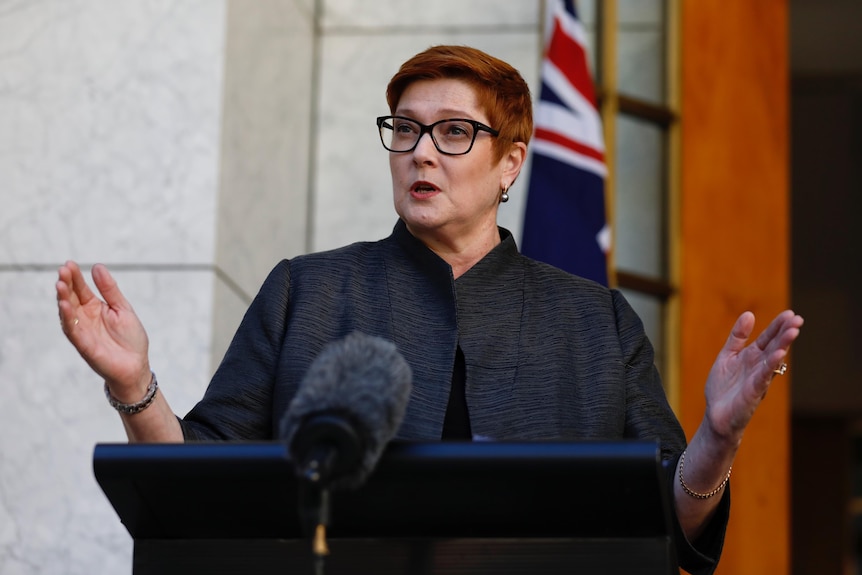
[548,355]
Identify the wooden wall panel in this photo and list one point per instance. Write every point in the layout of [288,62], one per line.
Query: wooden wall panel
[735,241]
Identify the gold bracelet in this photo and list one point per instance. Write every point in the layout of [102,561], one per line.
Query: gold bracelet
[695,494]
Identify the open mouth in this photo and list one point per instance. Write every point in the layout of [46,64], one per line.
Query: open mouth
[423,188]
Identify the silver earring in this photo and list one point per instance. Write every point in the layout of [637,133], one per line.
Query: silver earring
[504,197]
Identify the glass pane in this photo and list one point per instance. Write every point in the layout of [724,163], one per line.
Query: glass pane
[640,12]
[587,13]
[650,311]
[641,49]
[640,201]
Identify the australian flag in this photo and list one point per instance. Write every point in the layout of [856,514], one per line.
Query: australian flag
[565,222]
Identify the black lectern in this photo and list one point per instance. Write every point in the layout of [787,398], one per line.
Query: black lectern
[428,509]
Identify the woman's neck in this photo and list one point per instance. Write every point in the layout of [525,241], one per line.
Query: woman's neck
[461,251]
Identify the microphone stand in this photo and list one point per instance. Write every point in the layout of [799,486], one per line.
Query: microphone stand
[326,445]
[314,502]
[314,506]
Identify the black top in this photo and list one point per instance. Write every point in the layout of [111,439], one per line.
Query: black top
[456,426]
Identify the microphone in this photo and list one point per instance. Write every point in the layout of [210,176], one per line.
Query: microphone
[349,405]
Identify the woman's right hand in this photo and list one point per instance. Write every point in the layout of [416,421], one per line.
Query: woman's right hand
[107,334]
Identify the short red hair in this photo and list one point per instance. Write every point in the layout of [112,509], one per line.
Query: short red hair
[501,90]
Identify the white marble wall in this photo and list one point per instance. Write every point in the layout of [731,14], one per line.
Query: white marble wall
[110,120]
[266,144]
[189,144]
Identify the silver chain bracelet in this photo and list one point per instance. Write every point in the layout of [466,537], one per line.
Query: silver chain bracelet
[133,408]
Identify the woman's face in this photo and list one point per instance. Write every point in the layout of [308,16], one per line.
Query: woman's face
[440,197]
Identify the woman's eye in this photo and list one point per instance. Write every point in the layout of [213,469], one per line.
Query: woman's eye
[456,130]
[404,128]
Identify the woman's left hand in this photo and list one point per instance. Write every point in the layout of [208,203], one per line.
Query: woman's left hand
[741,374]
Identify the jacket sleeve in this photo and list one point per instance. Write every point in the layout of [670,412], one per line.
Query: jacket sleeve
[649,416]
[237,404]
[701,556]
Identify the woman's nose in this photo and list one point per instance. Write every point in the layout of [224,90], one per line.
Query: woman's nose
[425,149]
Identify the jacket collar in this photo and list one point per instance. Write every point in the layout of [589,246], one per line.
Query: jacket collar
[494,262]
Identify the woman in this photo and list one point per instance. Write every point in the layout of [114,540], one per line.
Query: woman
[501,346]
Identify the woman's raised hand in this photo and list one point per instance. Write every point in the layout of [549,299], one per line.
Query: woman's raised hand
[737,383]
[107,333]
[742,372]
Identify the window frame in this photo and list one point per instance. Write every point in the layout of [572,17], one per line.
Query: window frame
[667,117]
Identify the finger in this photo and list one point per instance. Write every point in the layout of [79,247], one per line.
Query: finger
[68,317]
[775,340]
[67,301]
[773,329]
[64,282]
[770,367]
[740,333]
[108,288]
[78,284]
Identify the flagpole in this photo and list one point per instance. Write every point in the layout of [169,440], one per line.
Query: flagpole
[672,323]
[607,62]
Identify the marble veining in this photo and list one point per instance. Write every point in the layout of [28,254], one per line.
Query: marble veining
[492,15]
[109,146]
[53,516]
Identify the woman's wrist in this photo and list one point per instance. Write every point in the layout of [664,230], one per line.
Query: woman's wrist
[130,391]
[704,467]
[137,406]
[715,443]
[697,494]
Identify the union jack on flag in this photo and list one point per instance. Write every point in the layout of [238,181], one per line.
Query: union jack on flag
[564,221]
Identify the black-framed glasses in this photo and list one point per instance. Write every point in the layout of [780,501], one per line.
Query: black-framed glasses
[453,137]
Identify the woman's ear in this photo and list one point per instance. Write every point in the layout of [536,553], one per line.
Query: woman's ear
[513,161]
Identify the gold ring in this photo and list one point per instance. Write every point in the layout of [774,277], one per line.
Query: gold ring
[76,323]
[781,370]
